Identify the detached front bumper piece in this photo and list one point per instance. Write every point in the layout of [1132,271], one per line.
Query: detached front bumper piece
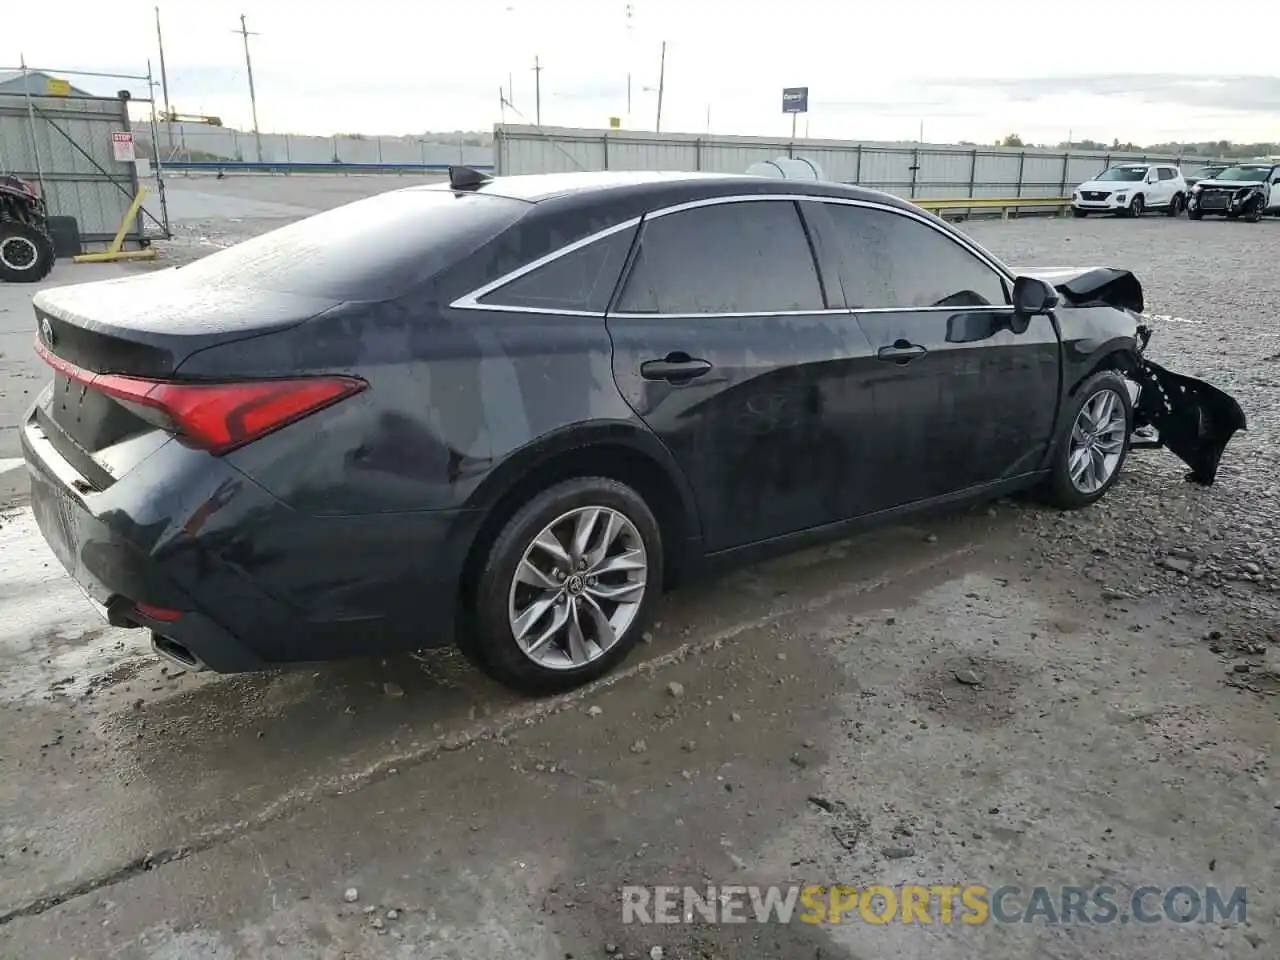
[1195,420]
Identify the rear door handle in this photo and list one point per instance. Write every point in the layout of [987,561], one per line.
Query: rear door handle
[901,351]
[674,368]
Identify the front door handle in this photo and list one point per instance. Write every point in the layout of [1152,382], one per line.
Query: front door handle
[901,351]
[674,368]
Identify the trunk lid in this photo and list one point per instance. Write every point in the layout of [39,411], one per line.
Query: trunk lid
[143,327]
[146,326]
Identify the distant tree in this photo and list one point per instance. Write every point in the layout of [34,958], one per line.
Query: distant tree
[1013,140]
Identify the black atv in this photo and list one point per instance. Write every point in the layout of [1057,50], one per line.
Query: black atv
[26,250]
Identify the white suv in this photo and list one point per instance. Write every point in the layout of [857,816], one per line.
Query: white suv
[1130,188]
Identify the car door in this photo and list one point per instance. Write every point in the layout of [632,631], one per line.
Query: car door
[728,345]
[1165,183]
[1273,195]
[960,399]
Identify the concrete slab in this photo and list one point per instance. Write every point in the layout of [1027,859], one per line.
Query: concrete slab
[823,738]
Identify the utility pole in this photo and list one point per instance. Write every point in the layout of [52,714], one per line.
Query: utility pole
[662,78]
[164,86]
[537,92]
[245,34]
[630,11]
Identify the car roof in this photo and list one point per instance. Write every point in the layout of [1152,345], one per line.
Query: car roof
[655,187]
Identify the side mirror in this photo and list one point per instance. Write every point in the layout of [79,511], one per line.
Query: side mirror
[1033,296]
[973,327]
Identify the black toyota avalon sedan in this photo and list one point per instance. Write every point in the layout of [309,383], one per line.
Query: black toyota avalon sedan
[507,412]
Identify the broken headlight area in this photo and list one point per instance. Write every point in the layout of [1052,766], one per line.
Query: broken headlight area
[1194,420]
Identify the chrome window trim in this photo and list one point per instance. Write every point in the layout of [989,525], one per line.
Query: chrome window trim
[831,311]
[470,301]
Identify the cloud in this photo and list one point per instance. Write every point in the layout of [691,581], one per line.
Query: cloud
[1244,93]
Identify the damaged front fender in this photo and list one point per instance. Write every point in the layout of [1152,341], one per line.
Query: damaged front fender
[1195,420]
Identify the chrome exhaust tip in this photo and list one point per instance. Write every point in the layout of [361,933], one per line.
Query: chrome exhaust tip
[176,653]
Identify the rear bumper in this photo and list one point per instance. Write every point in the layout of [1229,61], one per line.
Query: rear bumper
[257,583]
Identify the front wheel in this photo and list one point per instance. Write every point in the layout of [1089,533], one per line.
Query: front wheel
[1195,213]
[1093,444]
[1078,213]
[1136,206]
[26,252]
[1256,210]
[568,586]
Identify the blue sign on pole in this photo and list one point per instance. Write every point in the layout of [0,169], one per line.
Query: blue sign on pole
[795,99]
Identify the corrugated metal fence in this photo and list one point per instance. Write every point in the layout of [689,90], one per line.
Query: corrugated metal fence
[63,144]
[912,170]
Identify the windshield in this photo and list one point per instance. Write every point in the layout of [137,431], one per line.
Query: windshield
[1256,173]
[1129,174]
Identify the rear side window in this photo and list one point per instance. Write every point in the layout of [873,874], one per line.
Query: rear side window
[1166,173]
[373,249]
[743,257]
[894,261]
[581,280]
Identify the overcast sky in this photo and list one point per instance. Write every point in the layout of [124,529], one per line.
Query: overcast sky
[972,71]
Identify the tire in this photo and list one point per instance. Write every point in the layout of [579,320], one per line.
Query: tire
[1175,206]
[26,253]
[1257,210]
[1060,488]
[561,511]
[1136,206]
[1195,214]
[1078,213]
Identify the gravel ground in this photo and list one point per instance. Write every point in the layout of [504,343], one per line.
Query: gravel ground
[1213,298]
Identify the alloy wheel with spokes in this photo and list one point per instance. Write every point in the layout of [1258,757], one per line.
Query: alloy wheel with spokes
[1098,440]
[1092,441]
[578,587]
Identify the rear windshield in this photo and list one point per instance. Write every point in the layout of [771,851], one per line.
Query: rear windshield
[373,249]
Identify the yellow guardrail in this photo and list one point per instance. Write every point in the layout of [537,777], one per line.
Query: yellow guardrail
[1003,204]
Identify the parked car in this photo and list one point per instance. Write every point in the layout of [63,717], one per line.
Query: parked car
[508,412]
[1205,173]
[1130,189]
[1247,189]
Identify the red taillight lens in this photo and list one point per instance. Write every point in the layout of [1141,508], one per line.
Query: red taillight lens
[163,614]
[217,417]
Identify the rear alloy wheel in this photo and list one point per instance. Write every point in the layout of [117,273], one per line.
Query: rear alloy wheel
[1175,206]
[568,586]
[1136,206]
[1094,443]
[26,253]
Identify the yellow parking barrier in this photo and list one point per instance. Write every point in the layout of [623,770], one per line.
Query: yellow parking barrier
[114,251]
[1003,204]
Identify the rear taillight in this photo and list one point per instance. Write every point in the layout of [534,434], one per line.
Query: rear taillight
[217,417]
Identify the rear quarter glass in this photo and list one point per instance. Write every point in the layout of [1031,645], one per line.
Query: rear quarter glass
[373,249]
